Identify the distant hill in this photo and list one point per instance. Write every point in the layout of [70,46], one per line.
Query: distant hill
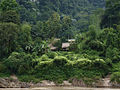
[40,10]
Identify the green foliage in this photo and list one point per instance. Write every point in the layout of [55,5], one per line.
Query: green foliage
[28,12]
[113,54]
[60,60]
[12,62]
[115,77]
[83,63]
[4,75]
[8,38]
[40,47]
[60,68]
[10,16]
[29,78]
[66,29]
[19,63]
[79,10]
[25,36]
[3,68]
[53,24]
[6,5]
[100,63]
[116,67]
[52,55]
[96,45]
[95,18]
[44,64]
[9,30]
[92,32]
[26,29]
[112,14]
[75,8]
[44,58]
[53,27]
[88,41]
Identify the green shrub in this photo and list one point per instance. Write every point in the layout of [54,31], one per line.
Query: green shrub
[44,58]
[113,54]
[99,63]
[88,81]
[115,77]
[5,74]
[96,45]
[3,68]
[13,62]
[29,78]
[16,60]
[108,61]
[60,61]
[83,62]
[45,63]
[70,63]
[24,69]
[72,56]
[116,67]
[52,55]
[91,54]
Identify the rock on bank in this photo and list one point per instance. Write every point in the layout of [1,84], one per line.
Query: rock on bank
[13,82]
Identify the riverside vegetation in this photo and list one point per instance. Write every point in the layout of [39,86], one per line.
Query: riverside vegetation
[24,42]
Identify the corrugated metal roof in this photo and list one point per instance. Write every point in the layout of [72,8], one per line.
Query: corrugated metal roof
[71,40]
[65,45]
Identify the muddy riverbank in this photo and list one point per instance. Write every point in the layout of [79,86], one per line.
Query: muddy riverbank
[13,82]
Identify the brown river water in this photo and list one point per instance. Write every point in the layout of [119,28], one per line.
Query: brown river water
[59,88]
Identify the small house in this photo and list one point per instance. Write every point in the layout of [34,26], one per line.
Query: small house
[65,46]
[71,40]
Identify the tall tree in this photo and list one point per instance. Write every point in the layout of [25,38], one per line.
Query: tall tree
[112,14]
[9,11]
[25,39]
[7,5]
[54,25]
[66,30]
[8,38]
[10,16]
[9,27]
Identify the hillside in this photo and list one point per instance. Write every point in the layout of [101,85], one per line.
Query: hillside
[40,10]
[75,8]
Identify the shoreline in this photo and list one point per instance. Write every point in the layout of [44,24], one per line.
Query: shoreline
[13,82]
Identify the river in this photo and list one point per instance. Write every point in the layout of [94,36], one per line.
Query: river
[59,88]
